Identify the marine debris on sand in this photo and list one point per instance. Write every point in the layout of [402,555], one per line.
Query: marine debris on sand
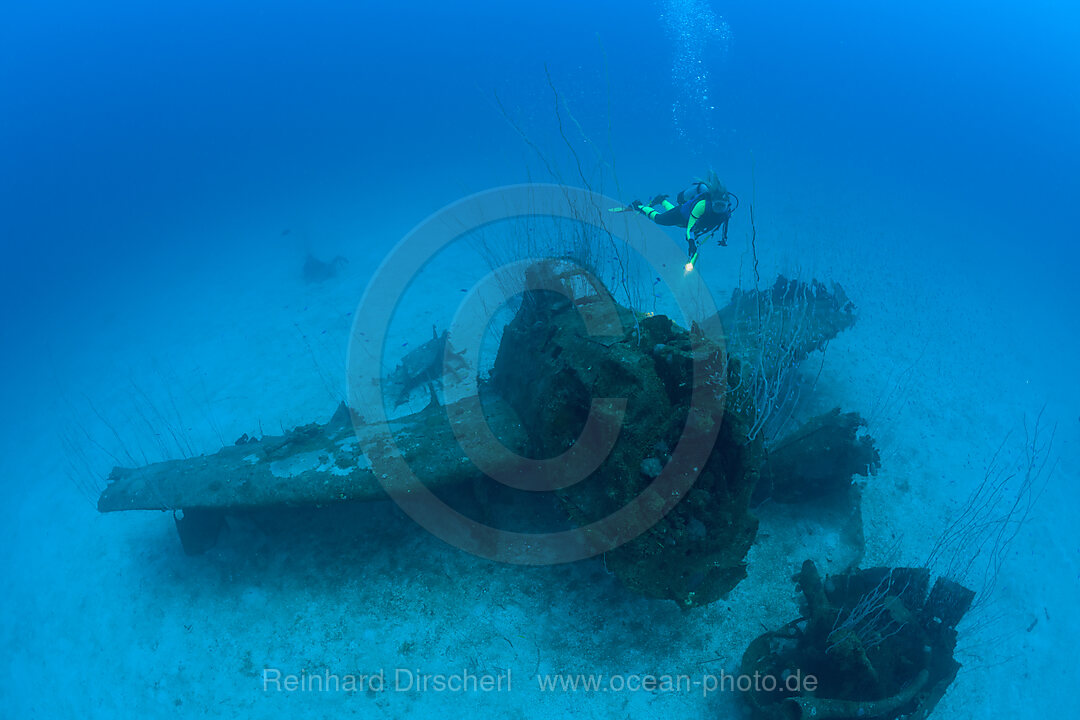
[877,643]
[317,271]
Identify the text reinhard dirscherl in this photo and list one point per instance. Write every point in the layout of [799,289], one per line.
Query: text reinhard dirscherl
[468,681]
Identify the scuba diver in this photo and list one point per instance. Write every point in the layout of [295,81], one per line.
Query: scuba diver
[702,208]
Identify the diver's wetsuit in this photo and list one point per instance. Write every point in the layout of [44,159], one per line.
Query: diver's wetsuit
[694,214]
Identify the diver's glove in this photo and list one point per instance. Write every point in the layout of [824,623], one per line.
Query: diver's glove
[657,200]
[636,205]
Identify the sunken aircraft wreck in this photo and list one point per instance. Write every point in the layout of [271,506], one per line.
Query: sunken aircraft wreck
[536,402]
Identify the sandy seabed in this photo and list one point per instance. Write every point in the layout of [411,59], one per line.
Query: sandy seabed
[104,616]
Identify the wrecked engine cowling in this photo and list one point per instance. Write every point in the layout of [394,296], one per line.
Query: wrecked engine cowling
[549,368]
